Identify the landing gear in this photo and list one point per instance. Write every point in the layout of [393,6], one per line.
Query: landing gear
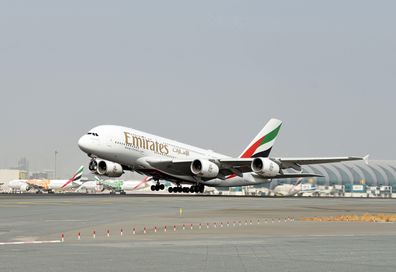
[157,187]
[198,188]
[122,193]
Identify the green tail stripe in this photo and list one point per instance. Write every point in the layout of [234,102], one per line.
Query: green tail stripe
[271,136]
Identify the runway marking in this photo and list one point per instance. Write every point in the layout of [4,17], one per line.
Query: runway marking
[65,220]
[30,242]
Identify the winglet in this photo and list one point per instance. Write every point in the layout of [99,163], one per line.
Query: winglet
[366,159]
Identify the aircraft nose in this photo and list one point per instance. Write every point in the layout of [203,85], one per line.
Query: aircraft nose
[83,143]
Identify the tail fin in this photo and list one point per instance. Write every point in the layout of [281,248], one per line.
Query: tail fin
[298,182]
[76,177]
[262,144]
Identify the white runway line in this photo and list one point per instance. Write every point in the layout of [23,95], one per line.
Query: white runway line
[29,242]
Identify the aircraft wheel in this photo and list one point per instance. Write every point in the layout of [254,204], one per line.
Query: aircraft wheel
[192,189]
[152,187]
[162,187]
[170,189]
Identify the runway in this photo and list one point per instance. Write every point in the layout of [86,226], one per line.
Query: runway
[219,234]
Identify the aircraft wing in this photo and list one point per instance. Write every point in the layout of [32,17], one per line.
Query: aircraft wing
[296,163]
[296,175]
[238,166]
[182,167]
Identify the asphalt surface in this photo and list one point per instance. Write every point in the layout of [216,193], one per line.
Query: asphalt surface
[227,234]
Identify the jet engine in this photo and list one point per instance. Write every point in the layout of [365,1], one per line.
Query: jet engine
[204,168]
[25,188]
[106,168]
[265,167]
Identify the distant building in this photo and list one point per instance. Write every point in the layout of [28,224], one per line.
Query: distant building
[376,173]
[23,164]
[6,175]
[40,175]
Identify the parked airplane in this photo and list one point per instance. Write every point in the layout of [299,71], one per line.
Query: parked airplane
[114,149]
[90,186]
[121,186]
[48,185]
[293,189]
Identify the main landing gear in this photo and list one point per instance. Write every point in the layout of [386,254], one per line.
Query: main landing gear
[198,188]
[157,187]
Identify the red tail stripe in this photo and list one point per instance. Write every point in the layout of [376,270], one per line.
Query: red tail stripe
[69,181]
[249,153]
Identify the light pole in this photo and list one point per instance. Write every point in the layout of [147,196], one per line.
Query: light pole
[56,153]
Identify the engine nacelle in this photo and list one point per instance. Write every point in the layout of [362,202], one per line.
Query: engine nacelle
[106,168]
[204,168]
[25,188]
[265,167]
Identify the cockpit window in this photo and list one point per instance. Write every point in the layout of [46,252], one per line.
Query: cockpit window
[93,134]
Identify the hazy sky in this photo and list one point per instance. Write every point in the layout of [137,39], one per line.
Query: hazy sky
[208,73]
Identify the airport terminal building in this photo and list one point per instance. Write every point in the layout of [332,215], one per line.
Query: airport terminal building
[376,173]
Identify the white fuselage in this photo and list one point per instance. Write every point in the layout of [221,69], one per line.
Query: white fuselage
[127,147]
[127,185]
[287,190]
[292,189]
[17,184]
[42,184]
[134,185]
[92,186]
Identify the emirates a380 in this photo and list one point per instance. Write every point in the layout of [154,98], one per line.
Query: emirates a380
[115,149]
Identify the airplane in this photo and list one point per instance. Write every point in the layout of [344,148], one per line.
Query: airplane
[293,189]
[47,185]
[90,186]
[115,149]
[122,186]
